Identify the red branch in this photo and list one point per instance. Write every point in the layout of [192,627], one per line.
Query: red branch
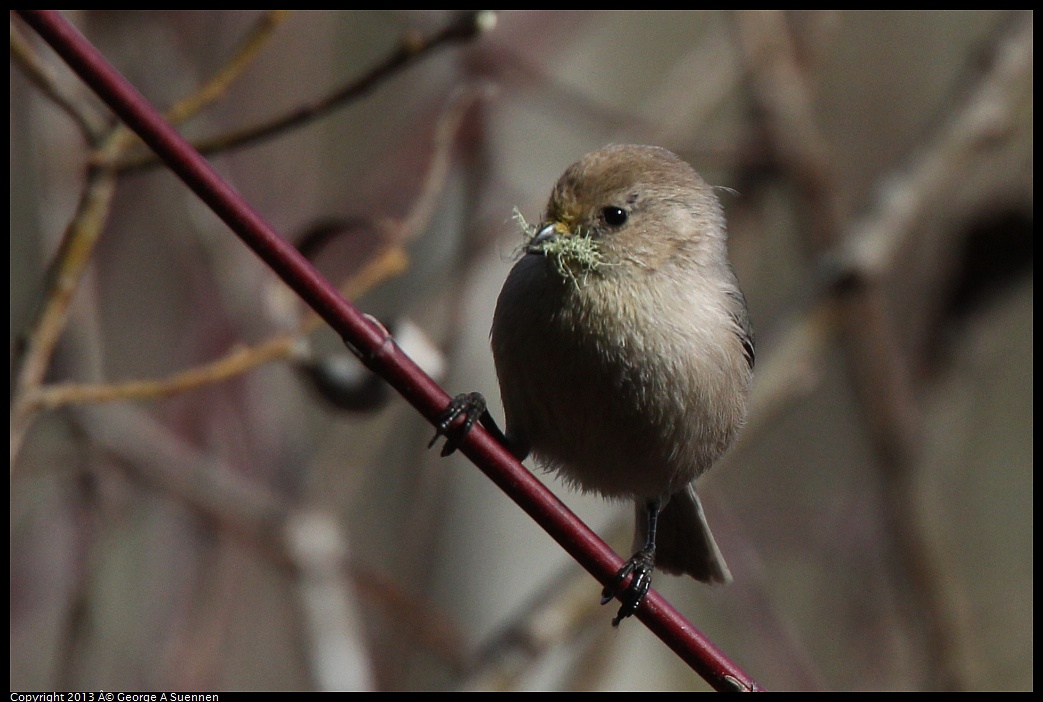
[372,344]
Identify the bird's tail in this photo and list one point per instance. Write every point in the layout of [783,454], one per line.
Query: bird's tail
[684,543]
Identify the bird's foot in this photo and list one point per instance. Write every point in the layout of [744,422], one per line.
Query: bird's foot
[641,565]
[470,406]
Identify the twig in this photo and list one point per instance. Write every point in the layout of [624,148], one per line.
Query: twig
[70,263]
[215,88]
[240,360]
[90,124]
[466,26]
[375,348]
[209,92]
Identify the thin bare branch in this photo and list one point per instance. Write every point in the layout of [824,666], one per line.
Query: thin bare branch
[388,264]
[70,263]
[83,113]
[466,26]
[206,94]
[239,360]
[215,88]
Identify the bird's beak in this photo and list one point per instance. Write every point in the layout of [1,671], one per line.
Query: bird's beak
[546,234]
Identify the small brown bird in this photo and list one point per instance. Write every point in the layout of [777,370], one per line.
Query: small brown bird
[624,351]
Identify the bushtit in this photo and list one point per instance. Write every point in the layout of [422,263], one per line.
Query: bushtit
[624,351]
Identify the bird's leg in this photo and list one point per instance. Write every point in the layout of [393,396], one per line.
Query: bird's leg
[641,564]
[471,406]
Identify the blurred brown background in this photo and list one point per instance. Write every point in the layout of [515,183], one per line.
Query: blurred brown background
[243,533]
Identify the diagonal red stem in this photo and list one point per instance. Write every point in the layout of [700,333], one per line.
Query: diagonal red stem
[372,345]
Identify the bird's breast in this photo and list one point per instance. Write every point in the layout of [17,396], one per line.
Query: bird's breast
[610,386]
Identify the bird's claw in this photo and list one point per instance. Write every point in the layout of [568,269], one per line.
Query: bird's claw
[470,406]
[641,565]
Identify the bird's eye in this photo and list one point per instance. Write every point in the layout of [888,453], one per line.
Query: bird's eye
[614,216]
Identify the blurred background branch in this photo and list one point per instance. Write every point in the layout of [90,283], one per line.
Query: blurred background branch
[878,506]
